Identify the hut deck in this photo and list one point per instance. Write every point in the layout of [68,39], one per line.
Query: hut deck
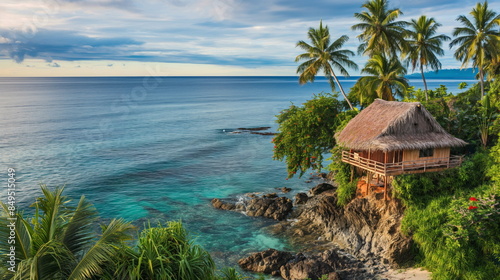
[403,167]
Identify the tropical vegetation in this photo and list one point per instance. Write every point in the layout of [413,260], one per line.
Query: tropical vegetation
[425,45]
[478,39]
[61,241]
[380,32]
[384,79]
[321,55]
[453,215]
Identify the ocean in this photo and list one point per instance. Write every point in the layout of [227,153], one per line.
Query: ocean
[156,148]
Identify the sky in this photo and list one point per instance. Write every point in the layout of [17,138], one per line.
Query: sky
[184,37]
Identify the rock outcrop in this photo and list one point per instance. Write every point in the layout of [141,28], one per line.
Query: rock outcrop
[320,188]
[269,261]
[301,198]
[268,206]
[366,231]
[300,266]
[366,227]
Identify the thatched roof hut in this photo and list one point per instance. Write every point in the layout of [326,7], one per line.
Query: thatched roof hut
[389,126]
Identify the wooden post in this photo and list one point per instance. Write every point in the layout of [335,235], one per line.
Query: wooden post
[385,163]
[385,177]
[368,175]
[352,173]
[385,187]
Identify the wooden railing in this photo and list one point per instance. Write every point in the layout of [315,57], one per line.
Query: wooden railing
[413,166]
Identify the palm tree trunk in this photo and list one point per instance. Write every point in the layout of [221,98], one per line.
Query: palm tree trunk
[481,81]
[425,83]
[341,89]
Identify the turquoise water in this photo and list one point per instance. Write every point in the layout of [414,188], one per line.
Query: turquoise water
[155,148]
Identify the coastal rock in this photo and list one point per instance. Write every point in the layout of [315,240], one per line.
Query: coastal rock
[300,266]
[270,195]
[313,267]
[219,204]
[268,206]
[263,133]
[275,208]
[320,188]
[365,227]
[269,261]
[284,189]
[301,198]
[255,128]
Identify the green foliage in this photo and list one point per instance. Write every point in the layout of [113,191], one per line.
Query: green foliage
[162,252]
[230,273]
[494,168]
[306,132]
[418,189]
[477,40]
[464,115]
[454,240]
[425,46]
[346,189]
[385,79]
[380,32]
[475,220]
[322,56]
[59,242]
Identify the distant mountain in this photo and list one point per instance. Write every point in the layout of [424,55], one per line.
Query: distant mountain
[464,74]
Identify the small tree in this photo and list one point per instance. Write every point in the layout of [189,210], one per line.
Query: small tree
[306,133]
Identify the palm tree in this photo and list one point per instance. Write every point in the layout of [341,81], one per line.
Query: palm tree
[478,39]
[381,33]
[424,45]
[59,241]
[385,80]
[321,55]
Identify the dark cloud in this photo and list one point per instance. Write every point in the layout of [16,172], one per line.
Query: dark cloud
[57,44]
[55,64]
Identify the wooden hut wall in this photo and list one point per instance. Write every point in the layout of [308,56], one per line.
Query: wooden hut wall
[439,153]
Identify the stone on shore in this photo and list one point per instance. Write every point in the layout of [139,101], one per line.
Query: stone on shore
[275,208]
[269,261]
[320,188]
[301,198]
[268,206]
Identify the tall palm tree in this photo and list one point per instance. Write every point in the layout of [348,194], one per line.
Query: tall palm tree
[59,241]
[478,39]
[385,80]
[425,45]
[322,56]
[381,33]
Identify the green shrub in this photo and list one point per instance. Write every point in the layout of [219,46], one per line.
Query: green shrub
[346,190]
[453,238]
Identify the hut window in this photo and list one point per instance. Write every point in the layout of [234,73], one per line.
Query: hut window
[426,153]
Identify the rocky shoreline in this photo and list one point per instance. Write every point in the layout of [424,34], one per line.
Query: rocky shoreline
[359,241]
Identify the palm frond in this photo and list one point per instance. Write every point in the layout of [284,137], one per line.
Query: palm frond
[79,229]
[103,250]
[22,235]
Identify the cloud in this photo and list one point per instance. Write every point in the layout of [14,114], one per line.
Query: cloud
[55,64]
[110,65]
[224,32]
[59,44]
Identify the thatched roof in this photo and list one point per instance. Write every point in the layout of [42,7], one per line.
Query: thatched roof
[391,125]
